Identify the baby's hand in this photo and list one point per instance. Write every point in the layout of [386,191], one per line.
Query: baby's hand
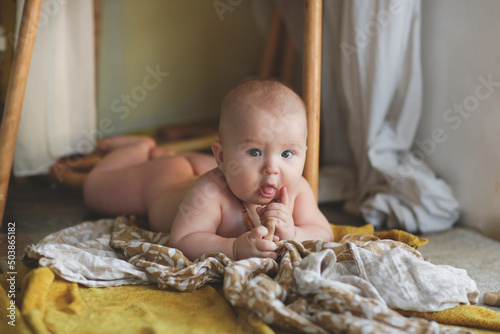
[252,244]
[285,227]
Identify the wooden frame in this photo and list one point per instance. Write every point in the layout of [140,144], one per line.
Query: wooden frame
[311,87]
[15,94]
[22,59]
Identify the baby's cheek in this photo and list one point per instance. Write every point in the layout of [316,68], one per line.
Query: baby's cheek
[291,183]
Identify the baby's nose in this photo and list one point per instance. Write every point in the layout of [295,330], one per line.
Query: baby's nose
[270,167]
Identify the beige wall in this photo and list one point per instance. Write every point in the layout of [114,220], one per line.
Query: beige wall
[165,62]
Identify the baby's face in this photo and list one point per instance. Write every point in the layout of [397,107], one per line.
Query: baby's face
[262,153]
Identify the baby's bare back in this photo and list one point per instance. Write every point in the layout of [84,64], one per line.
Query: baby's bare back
[168,184]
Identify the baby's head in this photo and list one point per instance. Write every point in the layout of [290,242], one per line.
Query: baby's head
[262,147]
[252,96]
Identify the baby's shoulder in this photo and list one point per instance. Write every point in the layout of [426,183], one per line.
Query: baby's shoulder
[206,196]
[212,185]
[304,191]
[212,178]
[304,186]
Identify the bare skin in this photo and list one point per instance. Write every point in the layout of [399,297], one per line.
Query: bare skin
[137,177]
[198,199]
[260,158]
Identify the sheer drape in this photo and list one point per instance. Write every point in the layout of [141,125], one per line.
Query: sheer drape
[58,116]
[371,106]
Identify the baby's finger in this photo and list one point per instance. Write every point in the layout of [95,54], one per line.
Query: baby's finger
[274,207]
[271,255]
[284,196]
[258,233]
[259,210]
[276,214]
[265,245]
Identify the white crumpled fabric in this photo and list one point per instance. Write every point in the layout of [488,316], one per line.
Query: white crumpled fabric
[396,279]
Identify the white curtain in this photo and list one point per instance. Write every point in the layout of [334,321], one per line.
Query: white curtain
[58,116]
[371,106]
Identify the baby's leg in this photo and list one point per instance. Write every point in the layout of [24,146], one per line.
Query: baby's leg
[114,185]
[122,152]
[134,172]
[201,163]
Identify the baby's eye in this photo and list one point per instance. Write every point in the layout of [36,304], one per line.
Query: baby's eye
[287,154]
[254,152]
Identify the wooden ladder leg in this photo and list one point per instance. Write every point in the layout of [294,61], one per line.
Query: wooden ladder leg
[288,65]
[271,47]
[311,89]
[15,94]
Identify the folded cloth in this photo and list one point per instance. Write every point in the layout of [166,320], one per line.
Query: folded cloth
[82,254]
[346,301]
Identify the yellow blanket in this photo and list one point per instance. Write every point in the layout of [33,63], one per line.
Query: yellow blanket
[47,304]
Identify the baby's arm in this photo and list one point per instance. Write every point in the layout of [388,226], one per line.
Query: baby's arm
[194,230]
[195,244]
[310,223]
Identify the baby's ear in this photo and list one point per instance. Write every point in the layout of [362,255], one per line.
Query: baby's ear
[217,150]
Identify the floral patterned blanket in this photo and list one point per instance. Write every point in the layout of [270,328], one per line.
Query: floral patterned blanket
[353,286]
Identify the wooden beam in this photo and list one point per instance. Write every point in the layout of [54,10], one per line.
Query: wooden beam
[288,65]
[311,87]
[15,94]
[271,48]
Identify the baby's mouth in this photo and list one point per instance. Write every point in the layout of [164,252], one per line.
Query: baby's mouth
[268,191]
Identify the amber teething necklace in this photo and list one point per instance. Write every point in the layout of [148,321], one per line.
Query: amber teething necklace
[246,217]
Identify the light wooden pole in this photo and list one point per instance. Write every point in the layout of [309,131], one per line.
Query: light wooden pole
[271,47]
[15,94]
[311,87]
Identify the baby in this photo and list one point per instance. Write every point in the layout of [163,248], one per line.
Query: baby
[219,205]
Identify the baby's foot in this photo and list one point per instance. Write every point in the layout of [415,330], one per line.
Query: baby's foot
[109,144]
[158,151]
